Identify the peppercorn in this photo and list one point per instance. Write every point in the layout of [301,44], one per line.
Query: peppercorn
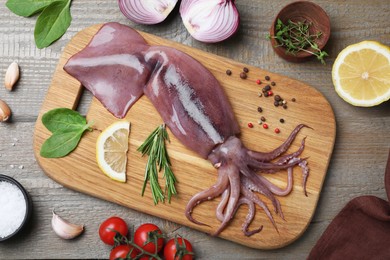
[285,106]
[228,72]
[259,94]
[262,118]
[277,98]
[259,109]
[265,126]
[270,93]
[243,75]
[277,130]
[281,103]
[293,100]
[276,103]
[266,94]
[273,83]
[245,69]
[250,125]
[258,82]
[267,88]
[281,120]
[267,78]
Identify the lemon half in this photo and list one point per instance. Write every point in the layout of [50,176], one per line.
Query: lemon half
[361,74]
[111,150]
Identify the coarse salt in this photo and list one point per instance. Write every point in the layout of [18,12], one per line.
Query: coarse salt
[12,208]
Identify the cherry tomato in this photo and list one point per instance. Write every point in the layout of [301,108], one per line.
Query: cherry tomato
[146,257]
[149,232]
[183,251]
[122,251]
[109,226]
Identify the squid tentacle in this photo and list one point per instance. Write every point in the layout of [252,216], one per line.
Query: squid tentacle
[234,179]
[249,217]
[269,156]
[222,204]
[251,181]
[252,197]
[284,159]
[275,189]
[271,167]
[208,194]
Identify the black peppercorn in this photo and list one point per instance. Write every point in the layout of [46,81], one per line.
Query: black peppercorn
[281,120]
[267,78]
[293,99]
[277,98]
[259,109]
[243,75]
[273,83]
[262,119]
[266,94]
[245,69]
[228,72]
[285,106]
[276,103]
[267,88]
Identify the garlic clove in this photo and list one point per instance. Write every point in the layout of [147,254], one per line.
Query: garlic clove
[5,111]
[11,76]
[65,229]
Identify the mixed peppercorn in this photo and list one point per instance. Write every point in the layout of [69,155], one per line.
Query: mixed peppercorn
[267,91]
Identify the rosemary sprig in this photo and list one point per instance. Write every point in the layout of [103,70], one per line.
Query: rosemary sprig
[296,36]
[154,146]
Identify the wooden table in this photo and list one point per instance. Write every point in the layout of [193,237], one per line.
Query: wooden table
[356,168]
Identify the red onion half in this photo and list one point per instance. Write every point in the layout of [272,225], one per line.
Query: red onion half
[146,11]
[210,20]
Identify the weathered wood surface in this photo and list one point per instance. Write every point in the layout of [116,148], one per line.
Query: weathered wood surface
[357,165]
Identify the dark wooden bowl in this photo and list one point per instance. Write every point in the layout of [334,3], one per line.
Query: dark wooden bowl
[298,12]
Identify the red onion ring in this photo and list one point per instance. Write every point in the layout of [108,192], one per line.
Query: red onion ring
[146,11]
[210,20]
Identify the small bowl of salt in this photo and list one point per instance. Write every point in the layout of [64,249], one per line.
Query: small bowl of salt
[15,207]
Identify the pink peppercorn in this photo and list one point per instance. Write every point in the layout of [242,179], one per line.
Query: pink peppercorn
[258,82]
[270,93]
[277,130]
[265,126]
[250,125]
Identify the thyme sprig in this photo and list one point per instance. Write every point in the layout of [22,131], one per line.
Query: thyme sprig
[154,146]
[296,36]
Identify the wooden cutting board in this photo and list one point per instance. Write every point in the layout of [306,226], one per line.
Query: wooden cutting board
[79,170]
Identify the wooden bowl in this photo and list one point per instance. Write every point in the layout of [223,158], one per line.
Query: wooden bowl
[298,12]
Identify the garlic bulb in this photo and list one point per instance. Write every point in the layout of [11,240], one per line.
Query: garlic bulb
[64,229]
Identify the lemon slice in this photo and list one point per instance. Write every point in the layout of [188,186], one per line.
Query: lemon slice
[361,74]
[111,150]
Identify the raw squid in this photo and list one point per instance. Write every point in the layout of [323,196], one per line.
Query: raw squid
[118,67]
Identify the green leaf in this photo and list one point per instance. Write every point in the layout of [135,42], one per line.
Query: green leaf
[67,127]
[27,8]
[63,120]
[61,144]
[52,23]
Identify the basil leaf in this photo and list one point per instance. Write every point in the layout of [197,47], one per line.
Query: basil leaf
[62,143]
[63,120]
[27,8]
[67,127]
[52,23]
